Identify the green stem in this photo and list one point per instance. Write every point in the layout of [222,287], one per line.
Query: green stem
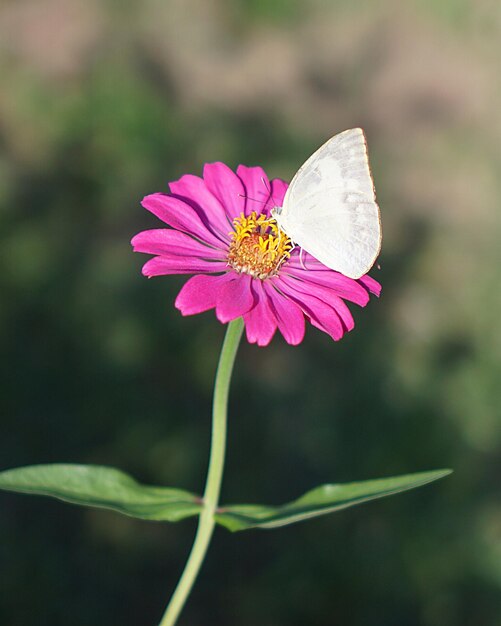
[215,473]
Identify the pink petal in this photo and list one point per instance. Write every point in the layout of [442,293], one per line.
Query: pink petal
[169,242]
[278,189]
[194,190]
[234,298]
[161,266]
[323,322]
[180,216]
[227,187]
[199,293]
[289,316]
[372,285]
[325,295]
[302,259]
[321,315]
[257,189]
[341,285]
[260,322]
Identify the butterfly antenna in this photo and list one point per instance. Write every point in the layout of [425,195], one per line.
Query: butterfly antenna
[241,195]
[267,186]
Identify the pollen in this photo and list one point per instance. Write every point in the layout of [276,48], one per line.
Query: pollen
[258,246]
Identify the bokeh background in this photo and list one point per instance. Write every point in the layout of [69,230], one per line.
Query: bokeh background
[102,102]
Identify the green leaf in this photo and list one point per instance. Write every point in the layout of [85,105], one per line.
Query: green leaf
[103,487]
[319,501]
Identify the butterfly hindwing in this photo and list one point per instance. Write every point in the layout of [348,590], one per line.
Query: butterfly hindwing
[342,235]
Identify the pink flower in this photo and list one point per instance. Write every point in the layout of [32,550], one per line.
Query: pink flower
[243,264]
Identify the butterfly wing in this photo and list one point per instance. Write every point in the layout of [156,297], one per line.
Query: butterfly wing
[330,206]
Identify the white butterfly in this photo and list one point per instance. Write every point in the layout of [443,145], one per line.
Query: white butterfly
[330,206]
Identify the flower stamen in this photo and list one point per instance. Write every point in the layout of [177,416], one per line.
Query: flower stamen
[258,246]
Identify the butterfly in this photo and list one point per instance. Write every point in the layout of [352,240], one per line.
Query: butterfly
[330,207]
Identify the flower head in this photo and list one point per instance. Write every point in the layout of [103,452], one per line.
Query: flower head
[221,231]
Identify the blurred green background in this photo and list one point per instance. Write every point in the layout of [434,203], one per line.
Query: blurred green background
[102,102]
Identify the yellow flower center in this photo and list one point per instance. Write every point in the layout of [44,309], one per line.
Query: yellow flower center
[258,246]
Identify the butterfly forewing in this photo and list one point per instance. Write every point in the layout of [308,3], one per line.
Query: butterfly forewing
[330,209]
